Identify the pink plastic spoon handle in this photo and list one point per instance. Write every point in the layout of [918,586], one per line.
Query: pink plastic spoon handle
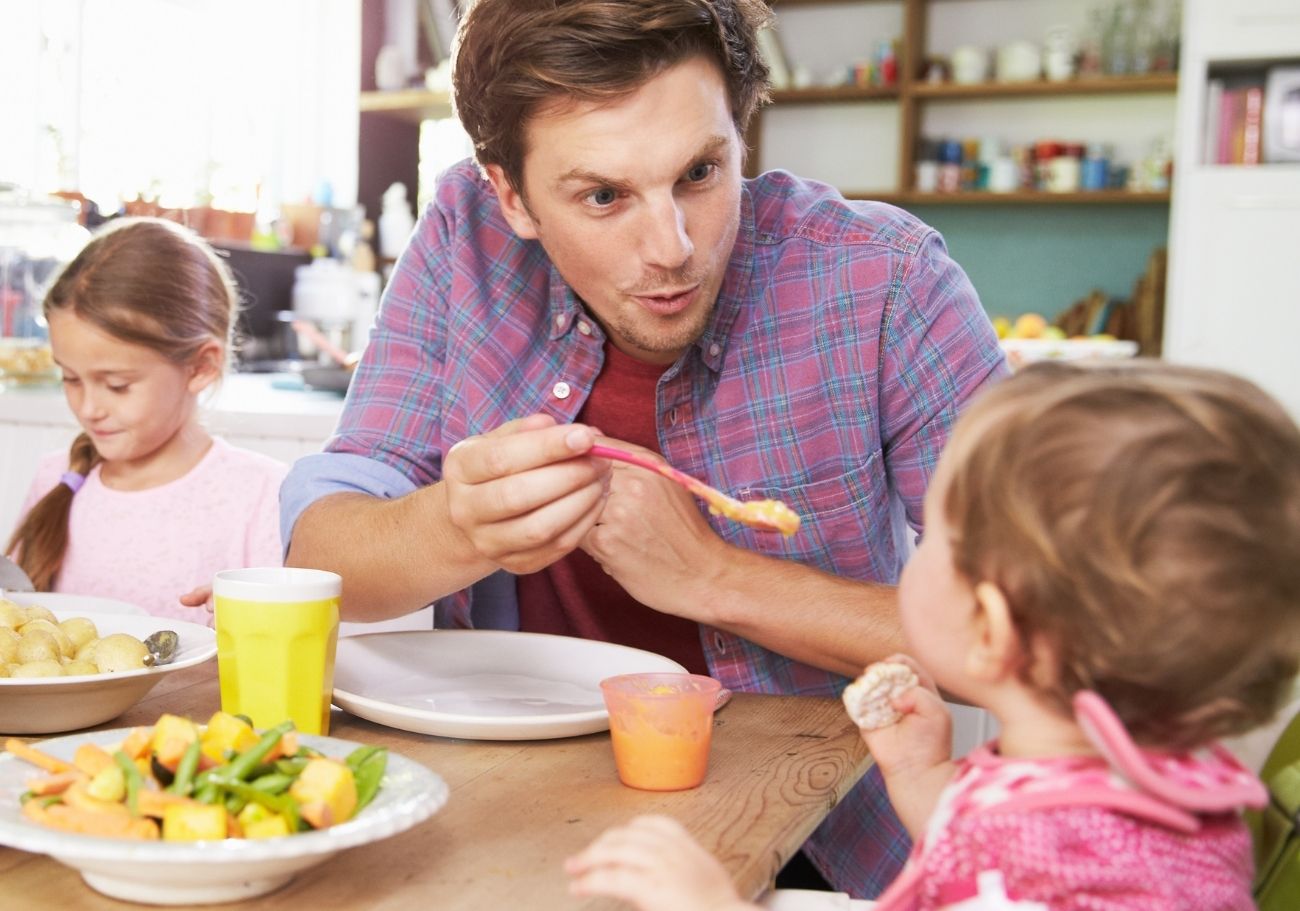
[697,487]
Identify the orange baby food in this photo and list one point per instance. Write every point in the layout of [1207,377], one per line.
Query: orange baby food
[668,758]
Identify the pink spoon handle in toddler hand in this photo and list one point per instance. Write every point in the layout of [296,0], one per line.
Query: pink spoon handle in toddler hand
[767,514]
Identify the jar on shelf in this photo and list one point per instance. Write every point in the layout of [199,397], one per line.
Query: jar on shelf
[38,236]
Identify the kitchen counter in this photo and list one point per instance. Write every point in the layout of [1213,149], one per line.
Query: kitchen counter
[249,410]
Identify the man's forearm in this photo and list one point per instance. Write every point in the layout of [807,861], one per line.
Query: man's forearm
[820,619]
[395,556]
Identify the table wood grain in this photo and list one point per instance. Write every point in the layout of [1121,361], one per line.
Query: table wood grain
[517,809]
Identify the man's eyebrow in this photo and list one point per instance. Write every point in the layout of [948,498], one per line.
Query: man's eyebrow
[583,175]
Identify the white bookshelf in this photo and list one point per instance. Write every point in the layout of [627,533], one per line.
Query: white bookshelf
[1234,279]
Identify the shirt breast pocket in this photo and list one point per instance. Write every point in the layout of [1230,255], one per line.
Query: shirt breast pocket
[849,523]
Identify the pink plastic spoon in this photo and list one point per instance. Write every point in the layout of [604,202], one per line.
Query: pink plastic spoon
[771,515]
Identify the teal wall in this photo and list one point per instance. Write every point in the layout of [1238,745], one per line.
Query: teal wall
[1043,258]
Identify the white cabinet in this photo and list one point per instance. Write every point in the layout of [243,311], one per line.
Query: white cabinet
[1234,280]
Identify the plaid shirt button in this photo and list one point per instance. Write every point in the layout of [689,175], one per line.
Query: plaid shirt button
[561,390]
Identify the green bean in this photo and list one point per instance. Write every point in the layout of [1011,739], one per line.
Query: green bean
[183,782]
[253,756]
[131,774]
[275,783]
[368,764]
[276,803]
[292,766]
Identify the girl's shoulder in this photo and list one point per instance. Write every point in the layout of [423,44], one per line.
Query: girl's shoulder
[229,459]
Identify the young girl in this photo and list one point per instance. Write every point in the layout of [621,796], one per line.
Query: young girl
[146,505]
[1109,567]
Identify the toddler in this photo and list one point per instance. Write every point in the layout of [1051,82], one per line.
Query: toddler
[146,506]
[1109,566]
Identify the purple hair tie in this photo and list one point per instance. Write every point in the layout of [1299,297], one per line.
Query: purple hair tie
[72,480]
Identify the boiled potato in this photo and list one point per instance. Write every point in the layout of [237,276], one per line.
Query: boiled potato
[48,668]
[119,652]
[37,645]
[12,614]
[36,612]
[8,644]
[65,644]
[80,630]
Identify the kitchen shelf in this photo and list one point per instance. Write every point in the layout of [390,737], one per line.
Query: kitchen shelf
[835,94]
[1020,197]
[1099,85]
[912,95]
[407,104]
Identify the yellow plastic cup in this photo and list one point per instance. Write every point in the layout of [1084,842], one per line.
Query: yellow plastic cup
[661,728]
[277,632]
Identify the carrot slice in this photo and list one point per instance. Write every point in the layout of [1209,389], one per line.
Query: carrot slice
[36,757]
[54,784]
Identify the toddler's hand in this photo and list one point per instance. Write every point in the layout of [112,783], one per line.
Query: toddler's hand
[655,865]
[922,738]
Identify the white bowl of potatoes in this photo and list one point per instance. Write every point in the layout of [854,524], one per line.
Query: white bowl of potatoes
[94,691]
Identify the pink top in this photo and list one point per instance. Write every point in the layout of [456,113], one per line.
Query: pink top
[149,547]
[1076,834]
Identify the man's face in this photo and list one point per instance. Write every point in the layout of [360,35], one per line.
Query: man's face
[637,203]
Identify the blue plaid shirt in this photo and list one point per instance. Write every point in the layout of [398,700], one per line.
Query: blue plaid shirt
[843,345]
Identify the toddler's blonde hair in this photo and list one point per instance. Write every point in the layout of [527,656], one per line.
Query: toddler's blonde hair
[1144,521]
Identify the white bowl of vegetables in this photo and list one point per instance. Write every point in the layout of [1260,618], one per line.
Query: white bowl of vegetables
[184,814]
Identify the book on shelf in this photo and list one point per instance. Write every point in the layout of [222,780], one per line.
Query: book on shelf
[1234,121]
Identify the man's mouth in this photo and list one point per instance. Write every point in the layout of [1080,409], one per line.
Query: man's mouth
[669,302]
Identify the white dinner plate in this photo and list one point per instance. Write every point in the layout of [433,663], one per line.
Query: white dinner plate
[203,872]
[483,684]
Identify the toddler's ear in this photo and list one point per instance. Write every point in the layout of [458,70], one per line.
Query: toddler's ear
[996,649]
[207,366]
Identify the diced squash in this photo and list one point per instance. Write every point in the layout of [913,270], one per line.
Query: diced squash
[153,803]
[137,742]
[108,784]
[326,793]
[272,827]
[171,735]
[226,732]
[91,758]
[287,745]
[197,822]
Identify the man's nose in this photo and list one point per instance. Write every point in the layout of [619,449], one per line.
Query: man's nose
[665,243]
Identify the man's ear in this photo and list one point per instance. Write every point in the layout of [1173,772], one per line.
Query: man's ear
[512,204]
[207,366]
[996,649]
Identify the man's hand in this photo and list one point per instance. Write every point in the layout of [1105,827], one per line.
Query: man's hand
[652,538]
[199,597]
[520,495]
[655,865]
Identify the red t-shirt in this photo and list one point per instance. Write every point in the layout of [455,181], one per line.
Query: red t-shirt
[574,596]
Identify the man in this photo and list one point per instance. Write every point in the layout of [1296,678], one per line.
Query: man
[615,277]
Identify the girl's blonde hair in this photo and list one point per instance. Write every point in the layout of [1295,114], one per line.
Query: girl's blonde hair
[147,282]
[1144,521]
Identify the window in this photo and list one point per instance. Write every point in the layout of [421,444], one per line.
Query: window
[190,102]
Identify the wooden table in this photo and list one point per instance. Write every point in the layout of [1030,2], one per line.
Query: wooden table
[517,809]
